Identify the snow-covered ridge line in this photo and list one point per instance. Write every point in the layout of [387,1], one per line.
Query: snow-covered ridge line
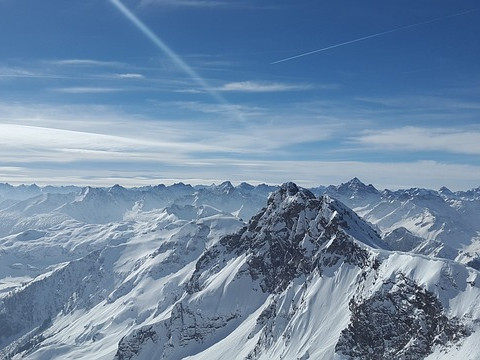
[23,191]
[445,223]
[442,223]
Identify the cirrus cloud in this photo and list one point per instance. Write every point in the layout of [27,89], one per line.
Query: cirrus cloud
[260,86]
[410,138]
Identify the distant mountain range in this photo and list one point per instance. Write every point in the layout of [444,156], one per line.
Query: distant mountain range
[239,272]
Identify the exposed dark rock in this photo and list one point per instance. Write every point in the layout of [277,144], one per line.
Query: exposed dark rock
[128,349]
[400,321]
[474,263]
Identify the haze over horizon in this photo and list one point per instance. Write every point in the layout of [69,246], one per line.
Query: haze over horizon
[141,92]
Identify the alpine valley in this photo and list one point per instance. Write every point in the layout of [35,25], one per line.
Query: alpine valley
[239,272]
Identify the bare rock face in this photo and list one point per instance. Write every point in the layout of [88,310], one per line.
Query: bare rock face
[402,320]
[128,349]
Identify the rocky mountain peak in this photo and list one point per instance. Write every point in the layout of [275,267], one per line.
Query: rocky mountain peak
[88,191]
[181,186]
[295,234]
[246,186]
[355,186]
[291,193]
[116,188]
[446,191]
[290,188]
[226,187]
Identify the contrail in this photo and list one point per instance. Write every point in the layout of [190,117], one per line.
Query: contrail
[170,53]
[375,35]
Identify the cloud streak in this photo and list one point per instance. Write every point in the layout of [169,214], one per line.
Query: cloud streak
[187,3]
[260,87]
[13,72]
[91,134]
[27,144]
[177,60]
[429,174]
[86,62]
[458,141]
[88,90]
[129,76]
[382,33]
[211,4]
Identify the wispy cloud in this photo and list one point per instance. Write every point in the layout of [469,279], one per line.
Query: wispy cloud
[85,62]
[189,91]
[209,4]
[429,174]
[212,62]
[129,76]
[188,3]
[147,150]
[95,133]
[423,103]
[220,109]
[26,144]
[17,72]
[452,140]
[273,138]
[88,90]
[171,54]
[257,86]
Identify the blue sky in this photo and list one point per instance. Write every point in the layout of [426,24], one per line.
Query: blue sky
[189,90]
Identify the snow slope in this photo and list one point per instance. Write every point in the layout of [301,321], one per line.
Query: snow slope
[445,224]
[130,270]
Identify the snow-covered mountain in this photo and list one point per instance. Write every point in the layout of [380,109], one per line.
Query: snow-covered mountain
[439,223]
[172,272]
[47,207]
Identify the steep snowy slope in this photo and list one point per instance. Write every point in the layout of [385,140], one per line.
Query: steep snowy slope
[130,273]
[33,213]
[445,224]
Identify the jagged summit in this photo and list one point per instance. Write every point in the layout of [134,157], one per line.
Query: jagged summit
[290,188]
[289,236]
[289,191]
[354,192]
[289,200]
[445,190]
[116,188]
[180,185]
[355,182]
[355,186]
[246,186]
[225,187]
[89,191]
